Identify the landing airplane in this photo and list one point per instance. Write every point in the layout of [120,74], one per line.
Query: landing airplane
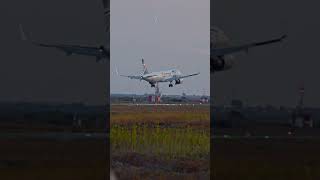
[99,53]
[153,78]
[221,51]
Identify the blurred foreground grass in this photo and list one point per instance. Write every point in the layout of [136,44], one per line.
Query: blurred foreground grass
[163,142]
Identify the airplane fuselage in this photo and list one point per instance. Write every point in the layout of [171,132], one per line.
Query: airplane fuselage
[162,76]
[153,78]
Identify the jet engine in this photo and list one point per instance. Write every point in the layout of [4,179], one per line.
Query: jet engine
[179,81]
[102,49]
[221,63]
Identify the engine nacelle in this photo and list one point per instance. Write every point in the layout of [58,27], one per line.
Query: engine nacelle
[101,48]
[221,63]
[179,81]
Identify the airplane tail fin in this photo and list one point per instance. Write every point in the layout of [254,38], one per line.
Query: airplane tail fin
[24,36]
[116,71]
[145,69]
[22,33]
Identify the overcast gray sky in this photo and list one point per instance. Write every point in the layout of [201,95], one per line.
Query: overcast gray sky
[167,34]
[270,74]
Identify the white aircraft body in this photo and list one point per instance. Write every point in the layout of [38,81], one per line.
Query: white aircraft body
[153,78]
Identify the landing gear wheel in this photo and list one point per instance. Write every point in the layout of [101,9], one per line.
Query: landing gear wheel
[152,85]
[170,85]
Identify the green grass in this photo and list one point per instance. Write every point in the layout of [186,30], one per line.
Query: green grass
[162,142]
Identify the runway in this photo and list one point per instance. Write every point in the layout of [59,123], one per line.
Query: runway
[97,136]
[266,137]
[129,104]
[55,136]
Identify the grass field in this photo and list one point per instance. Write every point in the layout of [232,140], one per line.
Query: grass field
[160,142]
[249,159]
[280,156]
[52,160]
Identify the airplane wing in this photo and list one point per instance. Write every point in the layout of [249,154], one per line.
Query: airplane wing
[132,77]
[98,52]
[185,76]
[246,47]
